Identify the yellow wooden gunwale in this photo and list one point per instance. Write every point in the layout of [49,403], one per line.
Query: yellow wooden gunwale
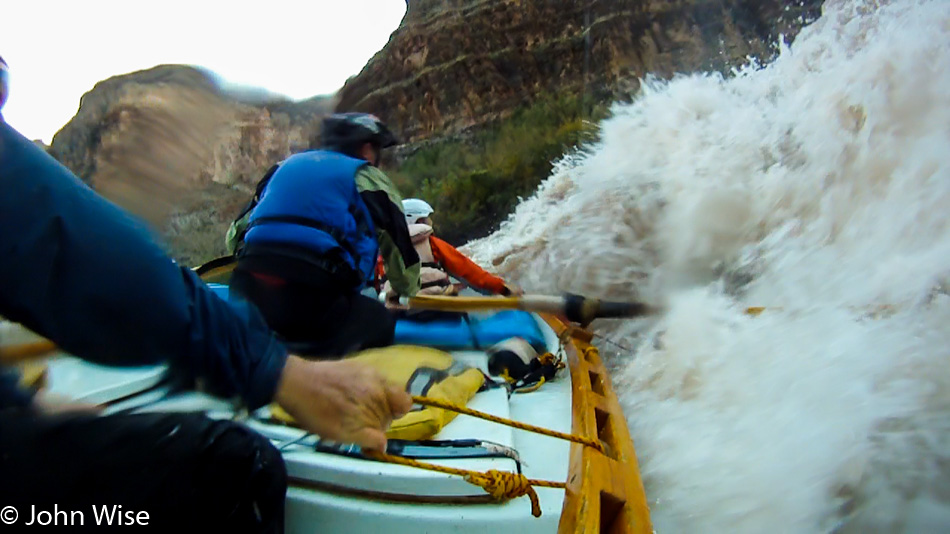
[604,491]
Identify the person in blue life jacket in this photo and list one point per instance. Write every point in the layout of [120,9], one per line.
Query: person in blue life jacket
[308,247]
[88,276]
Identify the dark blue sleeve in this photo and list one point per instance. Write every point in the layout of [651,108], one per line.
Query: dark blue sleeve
[11,394]
[80,271]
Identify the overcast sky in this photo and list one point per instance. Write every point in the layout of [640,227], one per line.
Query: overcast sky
[57,50]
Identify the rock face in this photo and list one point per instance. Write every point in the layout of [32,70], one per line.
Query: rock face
[455,64]
[171,145]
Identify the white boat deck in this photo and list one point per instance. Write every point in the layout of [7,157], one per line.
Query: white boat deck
[328,492]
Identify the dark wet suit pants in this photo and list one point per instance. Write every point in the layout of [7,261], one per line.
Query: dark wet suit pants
[189,472]
[322,318]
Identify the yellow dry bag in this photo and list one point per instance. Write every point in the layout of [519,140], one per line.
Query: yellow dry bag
[421,371]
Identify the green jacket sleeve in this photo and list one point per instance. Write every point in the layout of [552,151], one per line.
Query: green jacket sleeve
[236,233]
[385,207]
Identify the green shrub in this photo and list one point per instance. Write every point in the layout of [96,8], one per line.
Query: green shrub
[474,184]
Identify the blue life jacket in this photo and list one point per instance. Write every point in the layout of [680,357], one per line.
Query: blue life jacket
[311,203]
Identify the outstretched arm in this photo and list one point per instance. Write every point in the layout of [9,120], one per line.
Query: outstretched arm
[459,266]
[88,276]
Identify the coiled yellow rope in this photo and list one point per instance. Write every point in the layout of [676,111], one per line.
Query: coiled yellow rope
[550,359]
[545,359]
[528,389]
[501,485]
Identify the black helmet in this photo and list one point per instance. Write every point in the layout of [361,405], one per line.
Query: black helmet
[346,131]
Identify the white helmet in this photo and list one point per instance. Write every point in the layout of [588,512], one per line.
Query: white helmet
[416,209]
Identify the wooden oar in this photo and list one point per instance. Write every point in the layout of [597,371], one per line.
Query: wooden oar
[217,270]
[575,308]
[14,354]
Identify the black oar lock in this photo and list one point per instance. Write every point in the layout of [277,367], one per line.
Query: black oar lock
[583,310]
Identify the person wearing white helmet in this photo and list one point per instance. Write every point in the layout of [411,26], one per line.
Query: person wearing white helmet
[440,260]
[416,209]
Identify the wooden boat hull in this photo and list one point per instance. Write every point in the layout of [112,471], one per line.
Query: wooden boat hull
[334,493]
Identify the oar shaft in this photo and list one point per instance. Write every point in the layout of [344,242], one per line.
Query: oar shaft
[542,304]
[14,354]
[575,307]
[535,303]
[445,303]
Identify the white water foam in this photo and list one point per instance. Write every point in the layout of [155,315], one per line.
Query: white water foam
[819,187]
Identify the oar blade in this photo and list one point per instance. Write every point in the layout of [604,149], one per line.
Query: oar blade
[607,310]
